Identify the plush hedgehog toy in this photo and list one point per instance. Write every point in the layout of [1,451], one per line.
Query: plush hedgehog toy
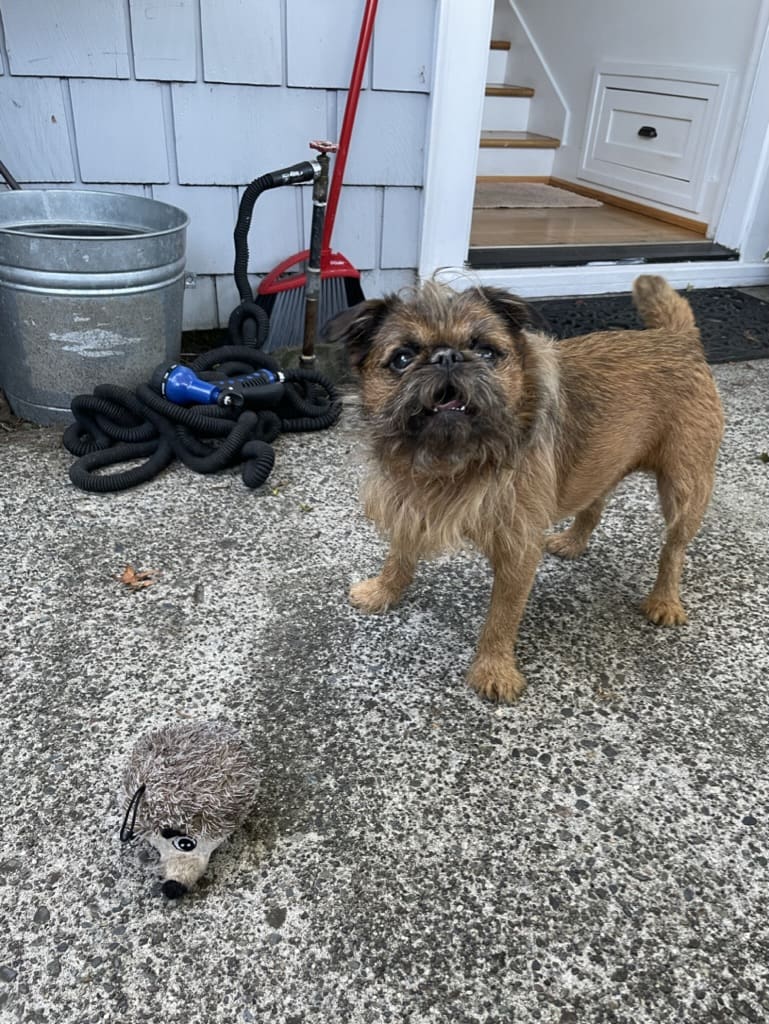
[186,788]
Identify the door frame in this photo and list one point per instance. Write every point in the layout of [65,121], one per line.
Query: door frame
[463,32]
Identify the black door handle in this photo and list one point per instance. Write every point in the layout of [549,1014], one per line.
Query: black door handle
[647,132]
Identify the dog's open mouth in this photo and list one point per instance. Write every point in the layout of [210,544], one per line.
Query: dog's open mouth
[449,401]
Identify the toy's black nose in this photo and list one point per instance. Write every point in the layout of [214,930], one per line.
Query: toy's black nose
[173,889]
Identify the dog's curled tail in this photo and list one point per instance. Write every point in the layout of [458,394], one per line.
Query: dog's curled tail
[660,306]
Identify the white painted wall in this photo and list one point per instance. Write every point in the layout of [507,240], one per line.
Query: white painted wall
[189,100]
[527,65]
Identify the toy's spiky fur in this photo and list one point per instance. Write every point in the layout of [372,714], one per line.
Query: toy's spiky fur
[200,783]
[199,776]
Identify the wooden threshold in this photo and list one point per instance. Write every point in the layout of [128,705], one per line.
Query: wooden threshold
[517,140]
[498,179]
[698,226]
[499,44]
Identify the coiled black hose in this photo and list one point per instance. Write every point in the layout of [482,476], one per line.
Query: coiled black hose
[249,323]
[115,425]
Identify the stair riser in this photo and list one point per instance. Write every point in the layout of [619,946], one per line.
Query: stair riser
[506,113]
[497,69]
[516,162]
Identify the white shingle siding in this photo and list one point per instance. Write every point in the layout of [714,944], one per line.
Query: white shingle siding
[400,222]
[321,41]
[380,282]
[403,45]
[212,213]
[120,131]
[388,145]
[200,309]
[164,38]
[189,100]
[230,134]
[63,38]
[35,138]
[242,41]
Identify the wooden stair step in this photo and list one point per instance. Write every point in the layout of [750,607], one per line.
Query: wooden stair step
[499,44]
[509,90]
[517,140]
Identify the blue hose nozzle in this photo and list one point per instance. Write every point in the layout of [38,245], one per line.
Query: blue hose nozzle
[182,386]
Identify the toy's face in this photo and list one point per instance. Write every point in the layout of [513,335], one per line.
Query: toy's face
[183,858]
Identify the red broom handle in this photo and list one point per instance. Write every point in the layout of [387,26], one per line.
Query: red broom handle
[353,95]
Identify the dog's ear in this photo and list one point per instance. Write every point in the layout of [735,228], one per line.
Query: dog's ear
[357,327]
[514,311]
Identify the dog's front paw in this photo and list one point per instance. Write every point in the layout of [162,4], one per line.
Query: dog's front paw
[372,595]
[497,679]
[565,544]
[663,611]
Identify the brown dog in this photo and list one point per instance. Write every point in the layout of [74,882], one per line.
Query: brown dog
[485,432]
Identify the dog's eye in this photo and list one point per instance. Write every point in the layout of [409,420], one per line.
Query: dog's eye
[486,352]
[402,358]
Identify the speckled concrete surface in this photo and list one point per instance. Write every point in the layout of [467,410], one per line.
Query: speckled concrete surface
[597,853]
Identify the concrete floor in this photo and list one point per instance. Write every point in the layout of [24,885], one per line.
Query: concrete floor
[597,853]
[759,292]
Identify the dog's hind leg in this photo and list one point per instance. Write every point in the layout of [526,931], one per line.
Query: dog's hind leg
[572,542]
[683,508]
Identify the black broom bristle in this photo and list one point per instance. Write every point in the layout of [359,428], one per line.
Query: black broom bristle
[286,309]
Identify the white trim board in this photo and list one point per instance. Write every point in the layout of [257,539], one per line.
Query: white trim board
[742,195]
[463,34]
[554,282]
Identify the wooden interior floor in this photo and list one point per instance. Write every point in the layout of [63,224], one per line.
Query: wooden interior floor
[572,226]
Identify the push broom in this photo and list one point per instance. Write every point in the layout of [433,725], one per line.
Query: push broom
[281,294]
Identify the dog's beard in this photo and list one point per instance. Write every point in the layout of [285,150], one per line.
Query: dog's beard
[445,420]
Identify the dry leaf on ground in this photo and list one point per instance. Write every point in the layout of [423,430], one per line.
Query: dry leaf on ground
[136,580]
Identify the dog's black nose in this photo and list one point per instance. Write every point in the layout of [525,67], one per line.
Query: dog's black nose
[445,356]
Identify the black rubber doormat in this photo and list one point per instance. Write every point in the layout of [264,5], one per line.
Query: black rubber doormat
[734,326]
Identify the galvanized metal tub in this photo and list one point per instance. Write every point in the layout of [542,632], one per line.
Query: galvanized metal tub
[91,292]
